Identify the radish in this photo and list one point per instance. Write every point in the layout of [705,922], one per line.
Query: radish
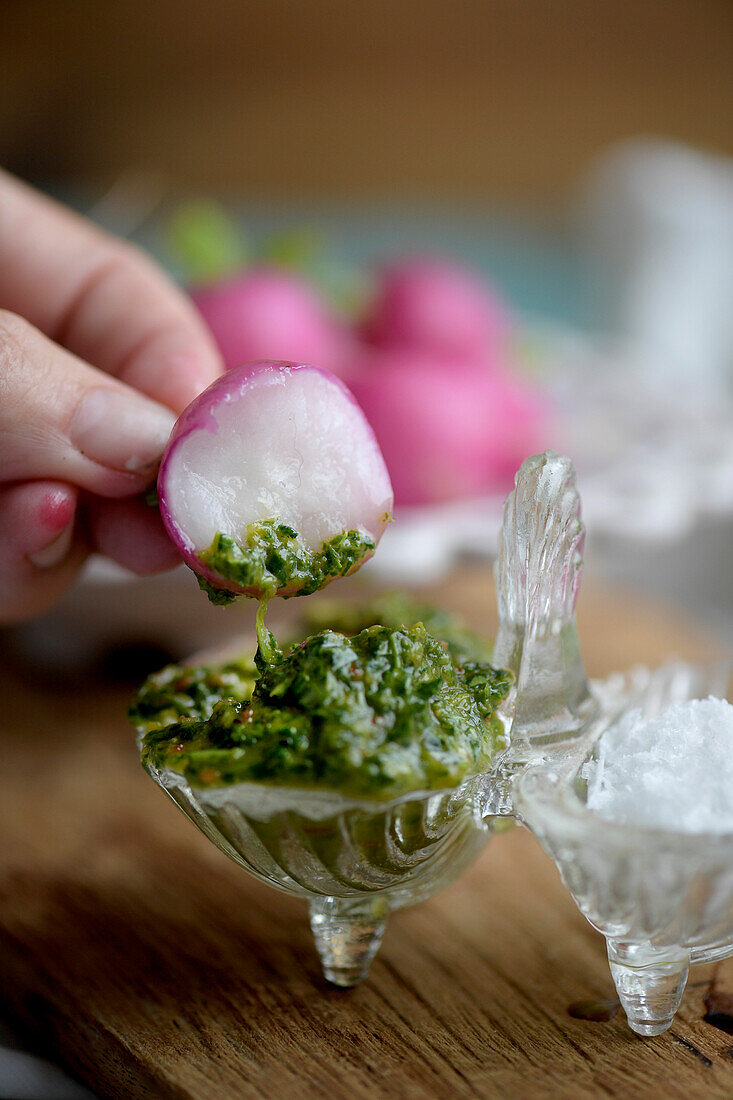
[272,481]
[267,314]
[437,307]
[448,428]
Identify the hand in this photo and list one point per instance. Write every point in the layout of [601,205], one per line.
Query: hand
[98,351]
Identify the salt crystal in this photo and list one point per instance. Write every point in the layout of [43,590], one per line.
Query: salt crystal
[673,771]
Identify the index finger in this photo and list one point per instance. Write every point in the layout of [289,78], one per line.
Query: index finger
[100,298]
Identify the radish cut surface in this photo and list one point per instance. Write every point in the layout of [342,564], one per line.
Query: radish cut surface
[272,442]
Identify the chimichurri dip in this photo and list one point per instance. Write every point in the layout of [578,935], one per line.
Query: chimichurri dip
[273,556]
[390,709]
[398,609]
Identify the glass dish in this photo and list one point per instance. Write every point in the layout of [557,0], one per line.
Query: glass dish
[354,860]
[662,899]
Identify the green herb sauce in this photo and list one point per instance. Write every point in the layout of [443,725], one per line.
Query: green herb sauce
[387,711]
[398,609]
[180,694]
[273,556]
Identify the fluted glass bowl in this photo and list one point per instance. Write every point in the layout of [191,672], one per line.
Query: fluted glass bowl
[662,898]
[355,860]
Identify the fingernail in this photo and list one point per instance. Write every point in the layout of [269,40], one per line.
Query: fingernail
[120,430]
[55,552]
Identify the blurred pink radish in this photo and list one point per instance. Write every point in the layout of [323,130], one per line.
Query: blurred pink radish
[264,313]
[447,427]
[272,441]
[438,308]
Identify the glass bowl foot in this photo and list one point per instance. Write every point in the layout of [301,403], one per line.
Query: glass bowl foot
[649,987]
[347,934]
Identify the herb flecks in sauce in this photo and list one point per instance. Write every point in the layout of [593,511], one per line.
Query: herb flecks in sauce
[273,556]
[268,651]
[376,715]
[397,609]
[220,597]
[178,695]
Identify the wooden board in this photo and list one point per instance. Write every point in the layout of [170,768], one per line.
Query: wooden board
[153,967]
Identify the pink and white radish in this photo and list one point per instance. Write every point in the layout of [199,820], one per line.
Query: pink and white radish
[437,307]
[272,441]
[263,313]
[447,427]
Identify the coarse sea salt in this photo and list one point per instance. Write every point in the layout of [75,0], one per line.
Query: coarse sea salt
[673,771]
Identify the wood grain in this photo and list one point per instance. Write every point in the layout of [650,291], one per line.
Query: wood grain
[154,967]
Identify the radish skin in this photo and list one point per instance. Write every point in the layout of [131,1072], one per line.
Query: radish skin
[447,427]
[438,308]
[263,313]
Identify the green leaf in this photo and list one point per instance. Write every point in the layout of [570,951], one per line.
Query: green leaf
[205,241]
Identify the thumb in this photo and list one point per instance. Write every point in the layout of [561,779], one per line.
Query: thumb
[60,418]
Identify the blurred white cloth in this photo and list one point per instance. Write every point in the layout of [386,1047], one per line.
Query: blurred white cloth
[657,225]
